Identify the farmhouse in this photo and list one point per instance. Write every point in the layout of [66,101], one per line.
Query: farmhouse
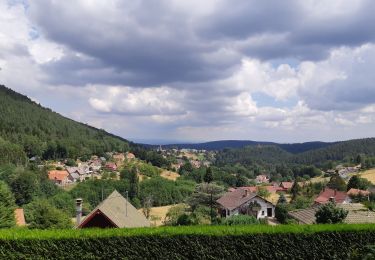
[59,177]
[357,192]
[328,194]
[242,201]
[115,212]
[262,179]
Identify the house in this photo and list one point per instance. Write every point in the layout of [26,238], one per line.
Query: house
[111,166]
[59,177]
[328,194]
[242,201]
[120,157]
[262,179]
[357,192]
[130,156]
[115,212]
[286,185]
[79,173]
[20,217]
[357,214]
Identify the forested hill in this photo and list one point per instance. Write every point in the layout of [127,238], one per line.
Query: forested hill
[274,154]
[28,129]
[219,145]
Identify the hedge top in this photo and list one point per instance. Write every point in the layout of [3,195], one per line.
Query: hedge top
[23,233]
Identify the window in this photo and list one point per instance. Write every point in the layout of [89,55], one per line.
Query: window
[262,212]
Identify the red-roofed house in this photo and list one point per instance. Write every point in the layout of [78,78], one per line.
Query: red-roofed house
[356,192]
[130,156]
[241,201]
[262,179]
[286,185]
[111,166]
[328,194]
[59,177]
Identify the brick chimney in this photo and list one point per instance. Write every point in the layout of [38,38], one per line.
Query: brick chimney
[79,210]
[245,194]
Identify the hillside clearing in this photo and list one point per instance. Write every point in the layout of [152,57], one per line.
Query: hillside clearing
[369,175]
[158,214]
[170,175]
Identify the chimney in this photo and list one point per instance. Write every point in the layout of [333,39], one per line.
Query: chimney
[334,192]
[79,210]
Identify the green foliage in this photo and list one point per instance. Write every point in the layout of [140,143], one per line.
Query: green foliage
[295,190]
[183,220]
[282,199]
[241,220]
[263,192]
[173,214]
[301,202]
[329,213]
[281,213]
[200,242]
[357,182]
[65,202]
[203,194]
[165,192]
[7,206]
[41,214]
[24,185]
[337,183]
[208,175]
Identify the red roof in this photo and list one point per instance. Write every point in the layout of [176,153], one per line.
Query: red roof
[327,193]
[286,184]
[57,175]
[356,192]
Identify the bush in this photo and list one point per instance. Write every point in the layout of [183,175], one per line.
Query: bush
[329,213]
[193,242]
[241,220]
[281,213]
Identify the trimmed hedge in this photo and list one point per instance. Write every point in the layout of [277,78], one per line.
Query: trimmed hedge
[197,242]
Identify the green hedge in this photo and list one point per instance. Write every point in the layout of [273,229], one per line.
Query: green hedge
[198,242]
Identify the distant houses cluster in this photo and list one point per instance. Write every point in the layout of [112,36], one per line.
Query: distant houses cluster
[64,175]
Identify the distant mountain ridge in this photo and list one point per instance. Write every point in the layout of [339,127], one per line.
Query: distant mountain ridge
[231,144]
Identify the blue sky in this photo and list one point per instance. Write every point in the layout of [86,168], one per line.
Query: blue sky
[285,71]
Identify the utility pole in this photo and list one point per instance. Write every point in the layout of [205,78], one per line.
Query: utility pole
[127,198]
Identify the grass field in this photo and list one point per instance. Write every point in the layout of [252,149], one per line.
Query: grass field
[170,175]
[158,214]
[369,175]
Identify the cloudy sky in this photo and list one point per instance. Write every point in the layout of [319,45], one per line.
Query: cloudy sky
[271,70]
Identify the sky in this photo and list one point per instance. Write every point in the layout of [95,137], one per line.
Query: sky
[176,70]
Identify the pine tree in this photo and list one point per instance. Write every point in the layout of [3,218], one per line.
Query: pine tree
[208,176]
[7,206]
[133,183]
[295,190]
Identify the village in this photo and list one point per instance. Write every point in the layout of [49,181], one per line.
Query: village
[261,200]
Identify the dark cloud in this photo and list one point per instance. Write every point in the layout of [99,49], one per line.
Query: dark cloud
[148,43]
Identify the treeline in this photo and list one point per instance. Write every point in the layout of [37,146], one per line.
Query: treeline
[268,155]
[38,131]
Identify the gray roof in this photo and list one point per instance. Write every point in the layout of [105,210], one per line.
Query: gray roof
[120,212]
[357,214]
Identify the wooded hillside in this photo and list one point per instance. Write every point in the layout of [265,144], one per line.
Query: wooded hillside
[38,131]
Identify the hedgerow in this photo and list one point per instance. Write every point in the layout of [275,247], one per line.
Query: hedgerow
[197,242]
